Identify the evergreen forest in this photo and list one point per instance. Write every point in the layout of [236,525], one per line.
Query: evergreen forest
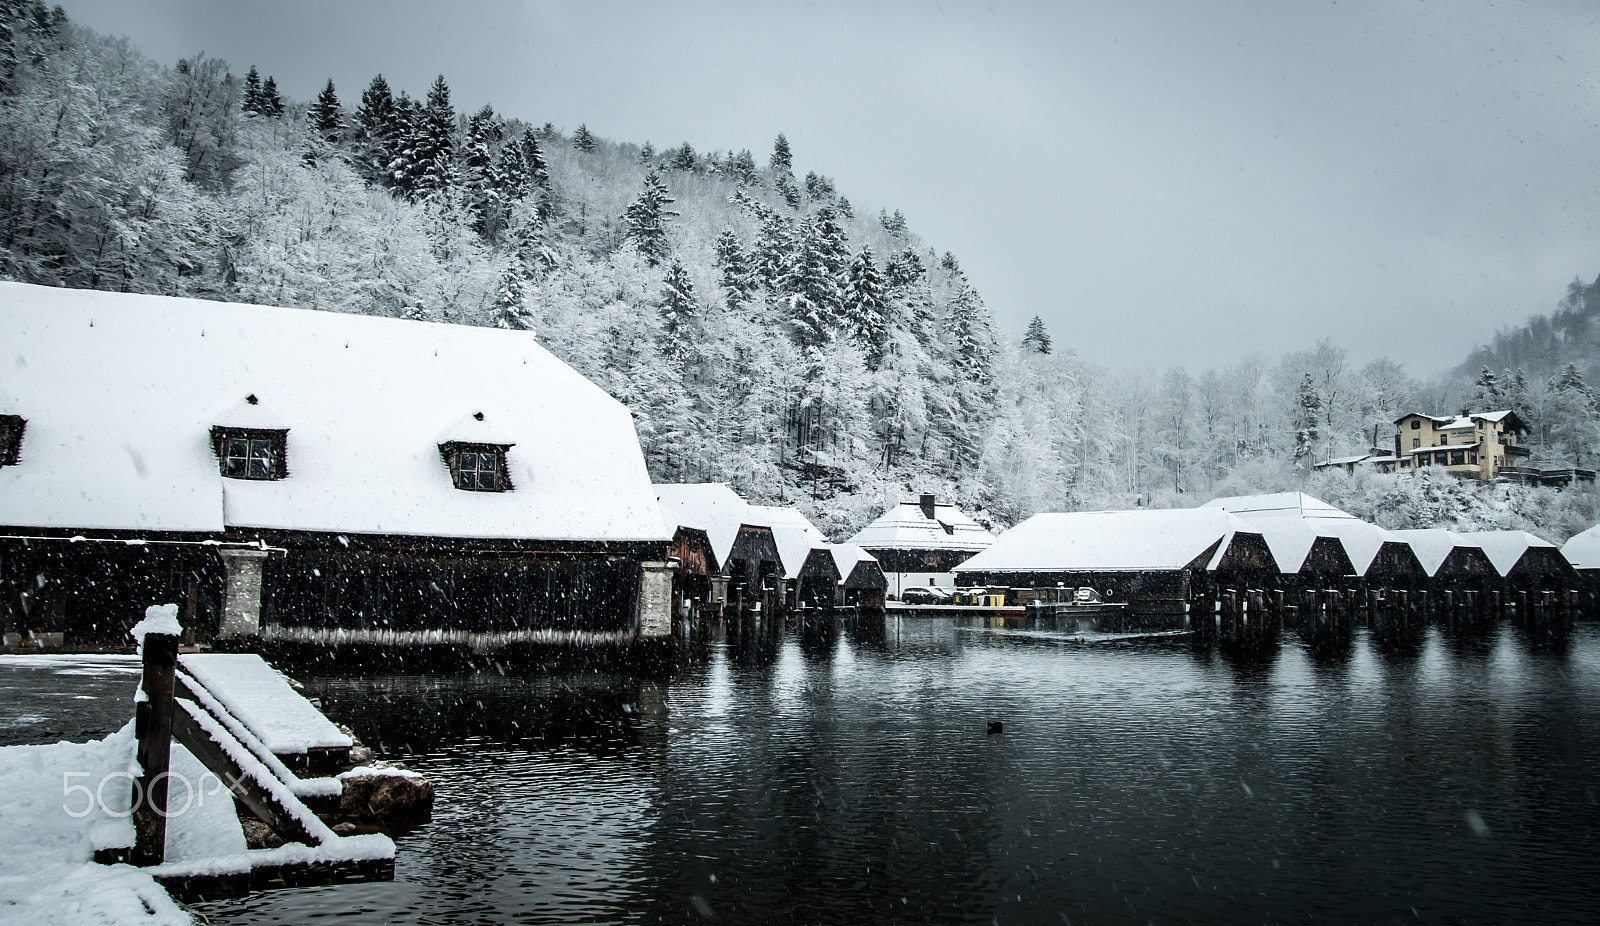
[766,329]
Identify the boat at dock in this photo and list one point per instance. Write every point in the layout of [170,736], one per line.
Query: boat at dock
[1082,609]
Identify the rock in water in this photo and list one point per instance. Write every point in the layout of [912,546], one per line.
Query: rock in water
[996,726]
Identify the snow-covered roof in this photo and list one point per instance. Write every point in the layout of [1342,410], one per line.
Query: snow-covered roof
[795,536]
[1361,541]
[1459,423]
[1289,539]
[708,506]
[1283,504]
[1344,461]
[121,392]
[1505,548]
[846,556]
[1472,446]
[1583,550]
[1110,541]
[1433,545]
[907,527]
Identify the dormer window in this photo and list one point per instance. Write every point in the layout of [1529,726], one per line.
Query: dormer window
[251,453]
[477,467]
[11,427]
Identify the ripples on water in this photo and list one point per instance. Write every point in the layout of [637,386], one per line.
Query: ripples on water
[846,776]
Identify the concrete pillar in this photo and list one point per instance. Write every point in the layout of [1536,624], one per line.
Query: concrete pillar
[241,607]
[655,599]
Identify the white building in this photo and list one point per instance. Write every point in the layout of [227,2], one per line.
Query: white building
[922,542]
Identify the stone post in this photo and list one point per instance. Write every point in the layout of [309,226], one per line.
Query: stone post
[655,599]
[241,608]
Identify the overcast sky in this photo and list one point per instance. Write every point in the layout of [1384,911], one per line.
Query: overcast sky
[1162,182]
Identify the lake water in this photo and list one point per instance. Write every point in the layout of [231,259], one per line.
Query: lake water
[846,775]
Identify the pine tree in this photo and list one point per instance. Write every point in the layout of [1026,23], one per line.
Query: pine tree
[677,310]
[425,163]
[895,224]
[377,130]
[904,269]
[252,102]
[582,140]
[1037,339]
[511,301]
[743,168]
[1307,411]
[831,242]
[683,158]
[1488,390]
[489,191]
[866,308]
[812,291]
[782,162]
[790,191]
[948,262]
[645,220]
[774,250]
[733,269]
[647,154]
[327,116]
[538,171]
[271,103]
[844,207]
[818,187]
[1569,380]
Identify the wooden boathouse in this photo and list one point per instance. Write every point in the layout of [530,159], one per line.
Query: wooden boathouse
[295,476]
[1162,564]
[740,568]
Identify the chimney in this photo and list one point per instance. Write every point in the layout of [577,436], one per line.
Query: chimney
[926,502]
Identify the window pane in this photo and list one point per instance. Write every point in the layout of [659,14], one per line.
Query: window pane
[233,467]
[469,479]
[238,448]
[486,481]
[488,462]
[260,448]
[468,461]
[258,468]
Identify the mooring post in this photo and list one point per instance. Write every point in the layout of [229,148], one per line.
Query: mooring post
[153,728]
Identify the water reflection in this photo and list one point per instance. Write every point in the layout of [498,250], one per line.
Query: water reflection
[838,772]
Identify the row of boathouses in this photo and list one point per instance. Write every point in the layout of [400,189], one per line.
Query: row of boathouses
[1284,547]
[309,477]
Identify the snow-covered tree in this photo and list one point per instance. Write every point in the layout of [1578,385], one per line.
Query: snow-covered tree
[646,218]
[1036,339]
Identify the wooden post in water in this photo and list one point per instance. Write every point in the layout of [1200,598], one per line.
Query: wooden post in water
[153,727]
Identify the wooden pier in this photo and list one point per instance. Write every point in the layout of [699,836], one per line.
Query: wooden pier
[206,709]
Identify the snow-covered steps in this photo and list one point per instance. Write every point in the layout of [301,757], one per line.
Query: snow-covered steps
[262,699]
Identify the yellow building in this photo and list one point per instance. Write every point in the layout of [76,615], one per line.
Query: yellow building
[1479,446]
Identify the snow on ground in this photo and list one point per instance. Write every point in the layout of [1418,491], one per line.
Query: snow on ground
[49,875]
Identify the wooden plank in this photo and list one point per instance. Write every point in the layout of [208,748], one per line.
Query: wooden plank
[249,792]
[153,727]
[195,888]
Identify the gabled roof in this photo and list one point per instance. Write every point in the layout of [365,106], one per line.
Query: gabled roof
[907,527]
[1505,548]
[708,506]
[846,556]
[1433,545]
[1362,541]
[1583,550]
[1281,504]
[121,392]
[1108,541]
[796,537]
